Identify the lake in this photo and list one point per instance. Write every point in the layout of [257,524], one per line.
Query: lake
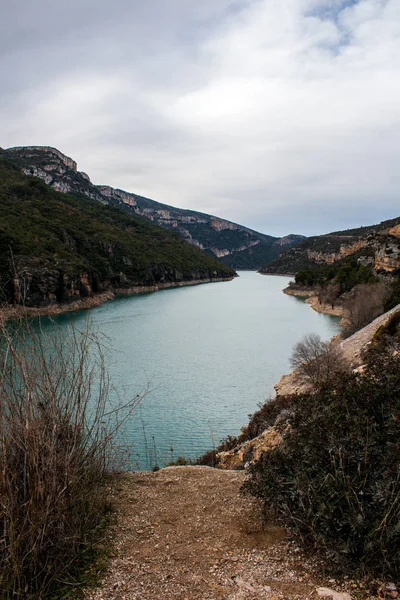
[209,354]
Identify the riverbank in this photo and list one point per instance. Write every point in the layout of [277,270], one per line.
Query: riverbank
[310,297]
[18,311]
[277,274]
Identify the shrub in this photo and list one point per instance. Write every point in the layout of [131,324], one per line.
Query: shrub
[329,294]
[259,421]
[394,293]
[317,361]
[335,478]
[366,302]
[266,417]
[56,450]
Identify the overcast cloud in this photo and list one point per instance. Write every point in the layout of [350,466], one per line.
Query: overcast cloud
[282,115]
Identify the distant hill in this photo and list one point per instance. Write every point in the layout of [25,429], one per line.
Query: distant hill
[57,247]
[235,245]
[377,245]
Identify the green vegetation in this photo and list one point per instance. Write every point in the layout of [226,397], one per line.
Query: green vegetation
[335,479]
[347,273]
[46,235]
[198,225]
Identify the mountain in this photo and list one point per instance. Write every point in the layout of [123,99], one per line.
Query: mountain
[375,245]
[235,245]
[58,247]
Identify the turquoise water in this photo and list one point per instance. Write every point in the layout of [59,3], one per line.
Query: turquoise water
[209,354]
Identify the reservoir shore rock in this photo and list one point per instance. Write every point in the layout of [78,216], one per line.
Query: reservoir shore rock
[310,297]
[15,311]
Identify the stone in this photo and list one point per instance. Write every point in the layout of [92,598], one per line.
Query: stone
[332,595]
[388,590]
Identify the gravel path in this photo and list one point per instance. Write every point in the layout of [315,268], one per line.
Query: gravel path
[186,533]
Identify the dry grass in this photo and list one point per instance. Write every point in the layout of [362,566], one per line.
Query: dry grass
[57,446]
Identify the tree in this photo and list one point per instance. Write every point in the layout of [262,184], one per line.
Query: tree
[330,294]
[317,361]
[366,302]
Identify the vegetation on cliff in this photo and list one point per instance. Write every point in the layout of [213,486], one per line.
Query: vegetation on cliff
[334,479]
[235,245]
[353,284]
[346,273]
[57,246]
[375,244]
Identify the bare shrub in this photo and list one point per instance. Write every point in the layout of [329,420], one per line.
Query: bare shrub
[330,294]
[57,443]
[367,302]
[317,361]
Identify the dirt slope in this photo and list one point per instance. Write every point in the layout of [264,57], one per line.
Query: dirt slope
[186,533]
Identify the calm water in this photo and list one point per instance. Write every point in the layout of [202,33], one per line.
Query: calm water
[209,354]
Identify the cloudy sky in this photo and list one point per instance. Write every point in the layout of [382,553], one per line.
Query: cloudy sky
[282,115]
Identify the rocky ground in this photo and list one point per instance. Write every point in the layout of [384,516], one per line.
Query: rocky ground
[186,533]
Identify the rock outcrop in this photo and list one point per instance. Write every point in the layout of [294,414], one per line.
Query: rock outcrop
[378,245]
[59,248]
[249,451]
[329,258]
[236,245]
[47,151]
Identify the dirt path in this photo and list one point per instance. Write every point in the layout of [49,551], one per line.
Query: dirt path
[186,533]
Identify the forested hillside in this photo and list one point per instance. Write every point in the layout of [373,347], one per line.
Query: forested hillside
[56,247]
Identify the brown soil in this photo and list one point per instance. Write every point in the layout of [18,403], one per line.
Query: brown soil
[186,533]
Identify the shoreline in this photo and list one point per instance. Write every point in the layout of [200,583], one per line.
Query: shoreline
[309,297]
[277,274]
[13,312]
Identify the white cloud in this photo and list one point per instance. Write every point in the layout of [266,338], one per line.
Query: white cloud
[284,116]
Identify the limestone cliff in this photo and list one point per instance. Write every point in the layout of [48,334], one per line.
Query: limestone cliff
[58,248]
[236,245]
[331,257]
[378,245]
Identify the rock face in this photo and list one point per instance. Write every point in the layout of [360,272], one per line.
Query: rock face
[387,256]
[250,451]
[60,248]
[378,245]
[37,282]
[47,151]
[331,257]
[235,245]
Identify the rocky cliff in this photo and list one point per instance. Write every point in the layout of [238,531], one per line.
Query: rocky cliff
[377,245]
[233,244]
[58,248]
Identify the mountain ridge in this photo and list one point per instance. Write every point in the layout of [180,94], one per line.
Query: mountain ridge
[234,244]
[376,245]
[57,248]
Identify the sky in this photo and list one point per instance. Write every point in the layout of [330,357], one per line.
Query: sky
[281,115]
